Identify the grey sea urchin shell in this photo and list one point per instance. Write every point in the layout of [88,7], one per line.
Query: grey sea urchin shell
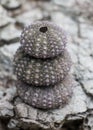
[46,97]
[43,40]
[40,72]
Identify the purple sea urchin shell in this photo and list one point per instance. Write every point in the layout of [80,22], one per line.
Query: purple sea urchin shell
[46,97]
[40,72]
[43,40]
[42,66]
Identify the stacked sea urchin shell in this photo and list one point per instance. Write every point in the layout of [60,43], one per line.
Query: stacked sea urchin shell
[42,66]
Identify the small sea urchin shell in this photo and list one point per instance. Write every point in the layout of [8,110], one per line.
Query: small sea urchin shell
[43,40]
[40,72]
[47,97]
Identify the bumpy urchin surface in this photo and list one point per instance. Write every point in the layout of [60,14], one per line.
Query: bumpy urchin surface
[46,97]
[43,39]
[40,72]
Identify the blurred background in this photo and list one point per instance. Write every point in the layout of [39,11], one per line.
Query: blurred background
[75,16]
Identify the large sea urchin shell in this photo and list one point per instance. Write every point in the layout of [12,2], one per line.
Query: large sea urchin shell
[43,40]
[46,97]
[40,72]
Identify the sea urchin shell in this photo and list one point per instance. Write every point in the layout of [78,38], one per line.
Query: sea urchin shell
[43,40]
[40,72]
[46,97]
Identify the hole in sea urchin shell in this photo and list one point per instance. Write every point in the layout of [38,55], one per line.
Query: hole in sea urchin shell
[43,29]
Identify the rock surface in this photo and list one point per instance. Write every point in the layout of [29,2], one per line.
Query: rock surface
[78,21]
[11,4]
[9,34]
[29,17]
